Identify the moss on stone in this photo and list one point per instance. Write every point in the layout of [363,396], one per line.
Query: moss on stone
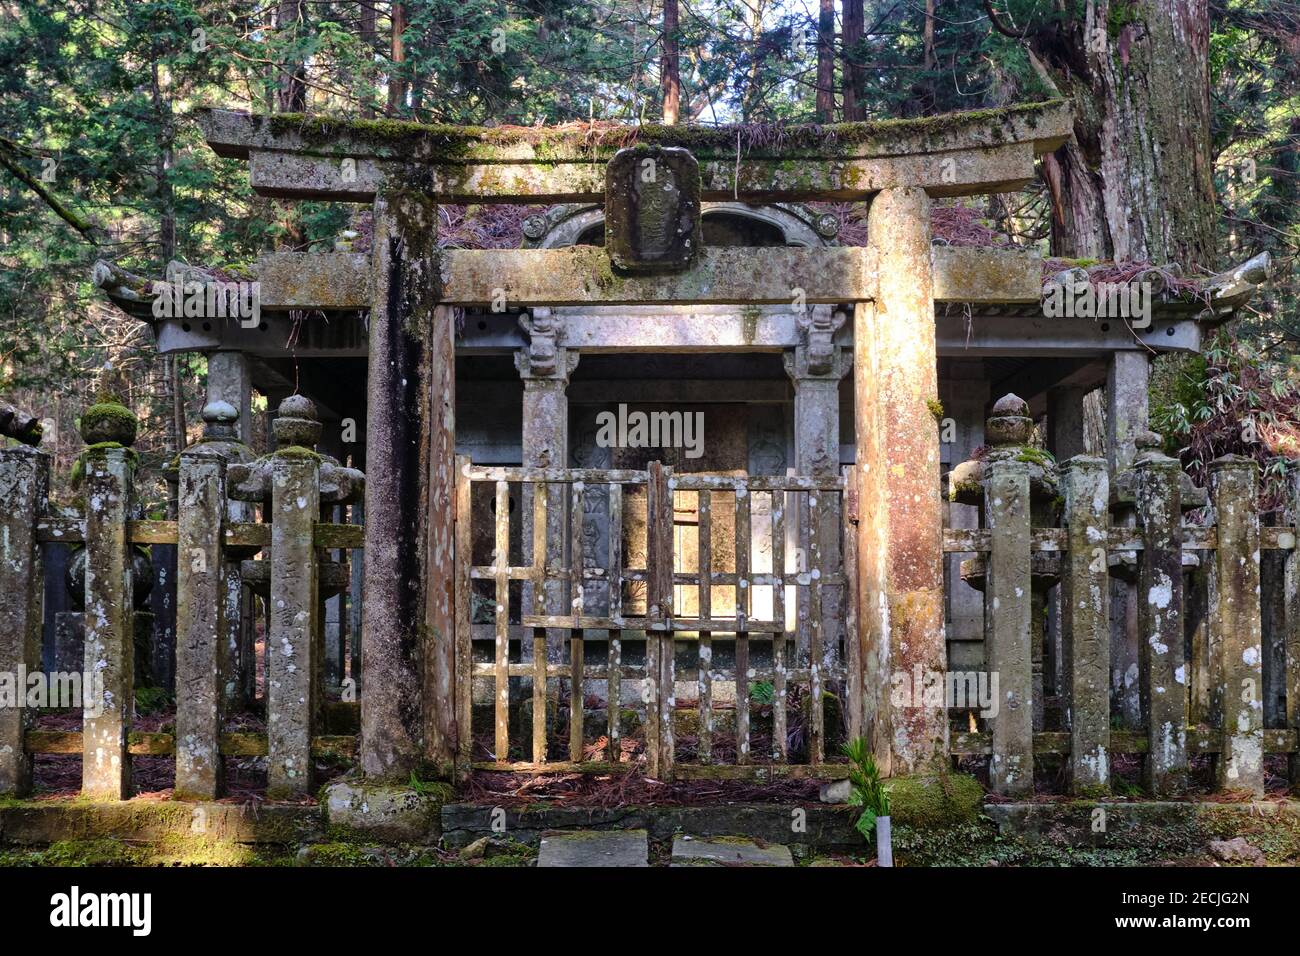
[938,801]
[108,421]
[78,472]
[434,141]
[298,452]
[1035,456]
[935,406]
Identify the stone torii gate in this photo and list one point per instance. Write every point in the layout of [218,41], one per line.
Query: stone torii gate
[409,288]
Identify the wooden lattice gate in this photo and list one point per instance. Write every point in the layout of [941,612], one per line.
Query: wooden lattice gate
[751,635]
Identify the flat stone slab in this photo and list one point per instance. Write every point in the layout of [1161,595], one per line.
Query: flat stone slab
[595,848]
[727,851]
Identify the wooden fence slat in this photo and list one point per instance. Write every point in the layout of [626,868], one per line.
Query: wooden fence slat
[1160,622]
[780,666]
[541,496]
[501,561]
[1007,611]
[704,509]
[849,601]
[1085,616]
[1292,611]
[464,612]
[817,731]
[576,649]
[659,608]
[614,667]
[1235,624]
[743,673]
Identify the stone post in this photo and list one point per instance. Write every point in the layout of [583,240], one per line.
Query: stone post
[1160,617]
[1235,624]
[1007,605]
[816,368]
[207,648]
[230,388]
[291,651]
[1085,623]
[1065,441]
[407,628]
[1127,380]
[110,640]
[25,480]
[200,624]
[292,484]
[230,381]
[900,524]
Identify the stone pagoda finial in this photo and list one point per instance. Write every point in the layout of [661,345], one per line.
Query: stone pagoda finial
[1009,431]
[297,429]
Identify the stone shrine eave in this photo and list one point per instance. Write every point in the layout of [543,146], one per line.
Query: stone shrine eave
[975,314]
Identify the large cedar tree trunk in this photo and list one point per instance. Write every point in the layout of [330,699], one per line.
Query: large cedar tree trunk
[1135,182]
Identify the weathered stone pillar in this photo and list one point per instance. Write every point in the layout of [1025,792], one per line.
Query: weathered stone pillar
[1160,617]
[291,648]
[200,623]
[230,381]
[25,479]
[545,370]
[292,484]
[900,552]
[816,368]
[1235,624]
[1085,618]
[208,648]
[1065,422]
[110,641]
[1007,608]
[407,628]
[1065,441]
[1127,379]
[230,388]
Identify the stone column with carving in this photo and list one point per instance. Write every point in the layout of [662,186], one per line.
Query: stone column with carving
[545,367]
[816,367]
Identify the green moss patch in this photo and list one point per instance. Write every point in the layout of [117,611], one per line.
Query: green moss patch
[940,801]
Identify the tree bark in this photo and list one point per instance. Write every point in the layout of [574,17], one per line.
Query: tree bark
[826,62]
[396,82]
[292,96]
[669,68]
[368,31]
[1135,182]
[854,22]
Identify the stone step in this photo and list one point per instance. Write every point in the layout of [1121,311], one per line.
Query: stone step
[727,851]
[595,848]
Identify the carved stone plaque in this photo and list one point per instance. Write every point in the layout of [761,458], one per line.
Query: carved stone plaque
[652,209]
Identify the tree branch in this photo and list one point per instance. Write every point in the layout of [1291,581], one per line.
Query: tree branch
[9,160]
